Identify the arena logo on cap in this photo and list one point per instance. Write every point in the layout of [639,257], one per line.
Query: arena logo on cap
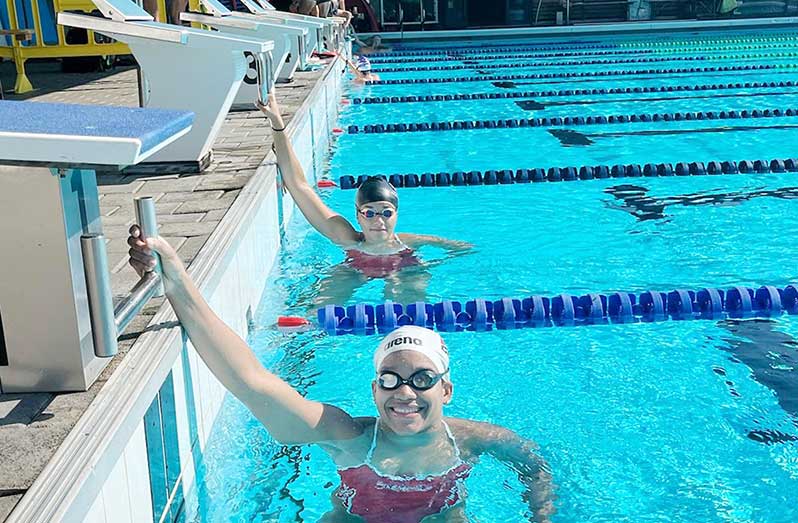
[404,340]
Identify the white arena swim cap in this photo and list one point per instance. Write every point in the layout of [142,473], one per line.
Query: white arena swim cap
[418,339]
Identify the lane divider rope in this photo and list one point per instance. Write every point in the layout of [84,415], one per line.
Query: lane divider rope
[566,54]
[643,60]
[561,310]
[584,74]
[570,92]
[584,172]
[449,51]
[515,123]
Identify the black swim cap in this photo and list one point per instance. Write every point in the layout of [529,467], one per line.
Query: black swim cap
[375,189]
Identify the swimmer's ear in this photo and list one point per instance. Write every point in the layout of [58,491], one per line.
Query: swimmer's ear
[374,390]
[448,391]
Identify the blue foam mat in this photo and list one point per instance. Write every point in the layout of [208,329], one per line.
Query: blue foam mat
[150,126]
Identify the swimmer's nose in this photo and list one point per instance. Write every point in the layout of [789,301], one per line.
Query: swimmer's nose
[405,391]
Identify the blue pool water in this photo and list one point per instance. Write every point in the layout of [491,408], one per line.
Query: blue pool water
[675,421]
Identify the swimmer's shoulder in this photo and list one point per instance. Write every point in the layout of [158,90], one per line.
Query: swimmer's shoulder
[475,437]
[351,452]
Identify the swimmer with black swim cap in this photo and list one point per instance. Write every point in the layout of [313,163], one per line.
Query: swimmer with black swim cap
[376,250]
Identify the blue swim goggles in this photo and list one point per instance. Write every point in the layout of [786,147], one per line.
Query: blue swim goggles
[387,213]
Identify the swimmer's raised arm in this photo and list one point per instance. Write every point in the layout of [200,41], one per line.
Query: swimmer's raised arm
[328,222]
[520,454]
[414,241]
[289,417]
[354,69]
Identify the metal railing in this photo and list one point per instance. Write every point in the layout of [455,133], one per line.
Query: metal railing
[107,321]
[48,39]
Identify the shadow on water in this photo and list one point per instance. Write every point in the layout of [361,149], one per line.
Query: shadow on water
[569,137]
[634,199]
[772,357]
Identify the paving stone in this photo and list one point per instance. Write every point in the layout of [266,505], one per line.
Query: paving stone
[181,218]
[215,215]
[108,210]
[188,251]
[125,199]
[125,188]
[7,504]
[124,278]
[206,205]
[188,183]
[223,181]
[118,218]
[200,194]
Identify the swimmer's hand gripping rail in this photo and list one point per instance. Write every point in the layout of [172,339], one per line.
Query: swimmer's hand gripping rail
[107,321]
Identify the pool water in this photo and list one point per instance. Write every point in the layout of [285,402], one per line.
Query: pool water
[644,422]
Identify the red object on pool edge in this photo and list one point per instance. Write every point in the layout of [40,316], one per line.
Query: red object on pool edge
[337,130]
[326,184]
[291,321]
[344,102]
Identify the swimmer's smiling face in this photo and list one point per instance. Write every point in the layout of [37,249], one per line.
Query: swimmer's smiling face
[405,410]
[377,229]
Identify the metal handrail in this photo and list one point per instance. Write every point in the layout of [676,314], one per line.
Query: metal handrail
[107,321]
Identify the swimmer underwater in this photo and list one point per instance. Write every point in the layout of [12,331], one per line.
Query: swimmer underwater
[376,249]
[407,465]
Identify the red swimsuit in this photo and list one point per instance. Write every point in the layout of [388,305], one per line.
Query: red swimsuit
[381,498]
[380,265]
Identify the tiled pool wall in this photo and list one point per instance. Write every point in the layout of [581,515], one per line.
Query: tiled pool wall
[156,469]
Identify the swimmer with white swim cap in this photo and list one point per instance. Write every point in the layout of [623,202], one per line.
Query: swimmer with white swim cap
[361,68]
[407,464]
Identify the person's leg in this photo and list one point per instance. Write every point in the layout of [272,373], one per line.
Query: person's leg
[151,6]
[338,286]
[175,7]
[346,15]
[408,285]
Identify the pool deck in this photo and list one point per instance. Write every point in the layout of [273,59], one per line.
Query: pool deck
[189,208]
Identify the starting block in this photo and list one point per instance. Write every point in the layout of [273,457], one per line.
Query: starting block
[334,26]
[326,31]
[291,46]
[183,68]
[49,207]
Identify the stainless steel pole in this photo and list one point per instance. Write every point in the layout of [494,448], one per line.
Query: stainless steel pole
[140,294]
[101,303]
[146,218]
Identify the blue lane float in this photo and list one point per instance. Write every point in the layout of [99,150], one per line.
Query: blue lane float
[584,172]
[584,74]
[518,65]
[562,310]
[571,121]
[571,92]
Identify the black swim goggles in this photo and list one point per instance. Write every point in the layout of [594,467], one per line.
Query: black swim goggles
[422,380]
[368,213]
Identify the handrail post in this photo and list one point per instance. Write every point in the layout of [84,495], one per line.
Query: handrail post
[148,223]
[101,303]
